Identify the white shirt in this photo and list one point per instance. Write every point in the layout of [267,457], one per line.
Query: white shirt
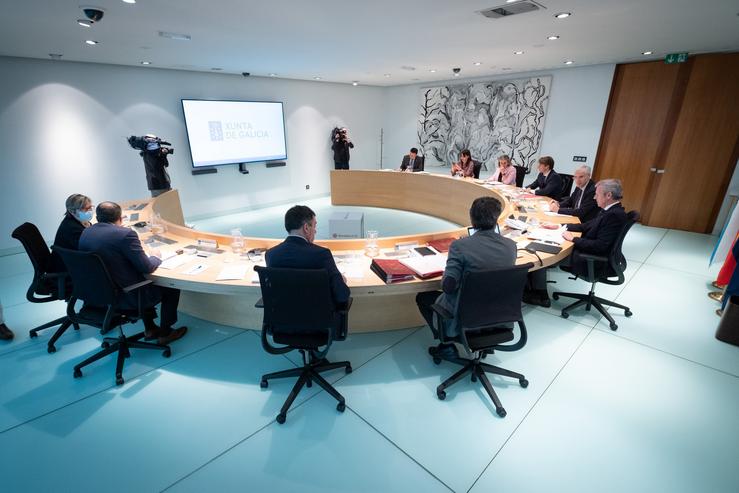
[611,205]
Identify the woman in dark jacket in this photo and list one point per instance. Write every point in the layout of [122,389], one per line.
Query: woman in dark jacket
[76,219]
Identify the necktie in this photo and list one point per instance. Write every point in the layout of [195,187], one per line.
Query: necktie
[579,198]
[410,164]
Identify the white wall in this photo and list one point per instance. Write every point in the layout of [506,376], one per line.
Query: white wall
[575,116]
[63,127]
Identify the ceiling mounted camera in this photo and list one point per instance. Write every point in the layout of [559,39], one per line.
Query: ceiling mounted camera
[95,14]
[245,74]
[456,70]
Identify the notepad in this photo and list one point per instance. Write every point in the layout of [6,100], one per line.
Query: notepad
[232,273]
[427,266]
[352,271]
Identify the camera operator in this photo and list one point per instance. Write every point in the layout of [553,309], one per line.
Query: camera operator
[154,151]
[341,143]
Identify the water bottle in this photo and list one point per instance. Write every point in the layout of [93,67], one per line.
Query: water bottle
[237,241]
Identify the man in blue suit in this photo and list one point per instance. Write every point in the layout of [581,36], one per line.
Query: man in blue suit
[548,183]
[127,263]
[299,252]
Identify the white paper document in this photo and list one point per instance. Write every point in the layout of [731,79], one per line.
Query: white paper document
[352,271]
[425,266]
[547,235]
[232,273]
[550,213]
[174,262]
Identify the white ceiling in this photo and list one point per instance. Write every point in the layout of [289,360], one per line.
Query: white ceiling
[363,40]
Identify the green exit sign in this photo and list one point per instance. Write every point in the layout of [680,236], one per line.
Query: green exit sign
[676,58]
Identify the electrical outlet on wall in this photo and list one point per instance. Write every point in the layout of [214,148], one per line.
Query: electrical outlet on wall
[579,159]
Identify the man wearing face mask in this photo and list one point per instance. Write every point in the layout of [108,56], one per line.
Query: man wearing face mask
[76,219]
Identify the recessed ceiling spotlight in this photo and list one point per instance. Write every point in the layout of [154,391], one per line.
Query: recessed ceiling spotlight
[569,62]
[175,36]
[55,56]
[316,78]
[84,22]
[355,83]
[506,68]
[646,52]
[510,1]
[433,70]
[386,75]
[145,63]
[91,42]
[129,1]
[563,15]
[553,37]
[518,52]
[477,64]
[273,74]
[216,69]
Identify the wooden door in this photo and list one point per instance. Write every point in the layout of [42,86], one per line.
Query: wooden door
[639,113]
[702,150]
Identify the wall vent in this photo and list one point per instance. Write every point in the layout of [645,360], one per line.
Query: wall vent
[510,9]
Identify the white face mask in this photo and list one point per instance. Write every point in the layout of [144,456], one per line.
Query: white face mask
[84,216]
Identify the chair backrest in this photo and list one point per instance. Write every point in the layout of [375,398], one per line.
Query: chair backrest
[491,297]
[35,246]
[521,172]
[476,167]
[90,278]
[422,160]
[566,185]
[296,300]
[616,259]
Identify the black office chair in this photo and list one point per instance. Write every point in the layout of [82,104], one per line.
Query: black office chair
[299,312]
[566,185]
[476,167]
[600,269]
[487,300]
[521,172]
[45,286]
[423,163]
[93,285]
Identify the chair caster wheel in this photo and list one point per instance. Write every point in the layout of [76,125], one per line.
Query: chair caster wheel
[473,378]
[167,353]
[501,412]
[76,327]
[77,373]
[432,350]
[105,345]
[565,314]
[614,326]
[119,380]
[437,360]
[348,369]
[628,313]
[50,349]
[32,335]
[523,383]
[263,384]
[281,418]
[309,383]
[341,407]
[555,296]
[441,395]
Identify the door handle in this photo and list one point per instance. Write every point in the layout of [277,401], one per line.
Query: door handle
[660,171]
[652,169]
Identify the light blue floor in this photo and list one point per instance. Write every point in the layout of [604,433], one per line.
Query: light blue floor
[269,222]
[650,407]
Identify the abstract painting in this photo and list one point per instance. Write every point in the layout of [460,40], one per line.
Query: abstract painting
[488,118]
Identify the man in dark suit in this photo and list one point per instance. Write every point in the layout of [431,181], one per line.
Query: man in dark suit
[548,182]
[76,219]
[581,203]
[598,234]
[299,252]
[412,161]
[484,250]
[127,263]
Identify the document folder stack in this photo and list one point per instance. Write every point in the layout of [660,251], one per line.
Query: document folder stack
[391,271]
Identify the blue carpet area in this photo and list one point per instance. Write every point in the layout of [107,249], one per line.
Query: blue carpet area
[650,407]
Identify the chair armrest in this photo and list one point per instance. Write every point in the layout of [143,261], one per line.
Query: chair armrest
[61,282]
[259,303]
[443,312]
[344,308]
[138,285]
[593,258]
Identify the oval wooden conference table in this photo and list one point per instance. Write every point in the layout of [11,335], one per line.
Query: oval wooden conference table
[377,306]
